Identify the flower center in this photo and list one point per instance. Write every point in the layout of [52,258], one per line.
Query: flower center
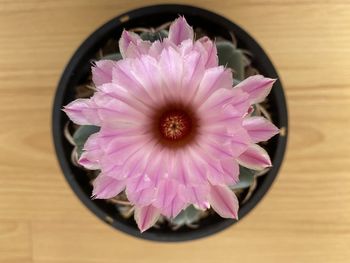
[175,125]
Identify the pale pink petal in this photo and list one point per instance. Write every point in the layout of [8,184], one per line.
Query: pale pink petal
[171,69]
[120,93]
[213,79]
[82,112]
[211,58]
[106,187]
[241,101]
[197,195]
[195,167]
[141,198]
[148,73]
[180,30]
[236,139]
[228,117]
[126,38]
[111,170]
[137,162]
[156,49]
[187,47]
[138,49]
[156,170]
[139,183]
[258,87]
[140,189]
[192,75]
[131,45]
[231,171]
[166,191]
[259,128]
[126,154]
[123,76]
[255,157]
[238,99]
[207,165]
[92,154]
[240,140]
[102,72]
[224,201]
[116,113]
[175,207]
[218,100]
[220,151]
[146,217]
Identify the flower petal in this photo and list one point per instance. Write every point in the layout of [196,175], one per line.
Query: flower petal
[148,73]
[131,45]
[259,128]
[218,100]
[197,195]
[231,171]
[124,78]
[175,207]
[106,187]
[166,191]
[241,101]
[116,113]
[192,74]
[121,94]
[224,201]
[136,184]
[81,112]
[141,198]
[213,79]
[102,72]
[255,157]
[258,87]
[146,217]
[92,153]
[171,68]
[180,30]
[210,52]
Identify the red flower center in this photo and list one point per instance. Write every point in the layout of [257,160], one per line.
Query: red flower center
[175,125]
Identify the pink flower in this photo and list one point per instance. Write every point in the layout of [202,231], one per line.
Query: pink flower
[173,130]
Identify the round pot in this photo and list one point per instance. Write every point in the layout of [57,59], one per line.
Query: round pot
[77,71]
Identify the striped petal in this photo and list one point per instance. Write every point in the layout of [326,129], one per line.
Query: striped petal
[82,112]
[258,87]
[106,187]
[146,217]
[255,157]
[224,201]
[259,129]
[102,72]
[131,45]
[180,30]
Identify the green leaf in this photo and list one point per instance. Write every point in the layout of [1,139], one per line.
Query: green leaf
[246,178]
[82,134]
[113,56]
[153,36]
[187,216]
[231,57]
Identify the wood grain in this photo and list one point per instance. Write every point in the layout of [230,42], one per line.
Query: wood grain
[304,218]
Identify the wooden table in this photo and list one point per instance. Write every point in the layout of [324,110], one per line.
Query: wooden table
[304,218]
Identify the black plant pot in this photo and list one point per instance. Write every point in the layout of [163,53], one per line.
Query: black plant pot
[78,70]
